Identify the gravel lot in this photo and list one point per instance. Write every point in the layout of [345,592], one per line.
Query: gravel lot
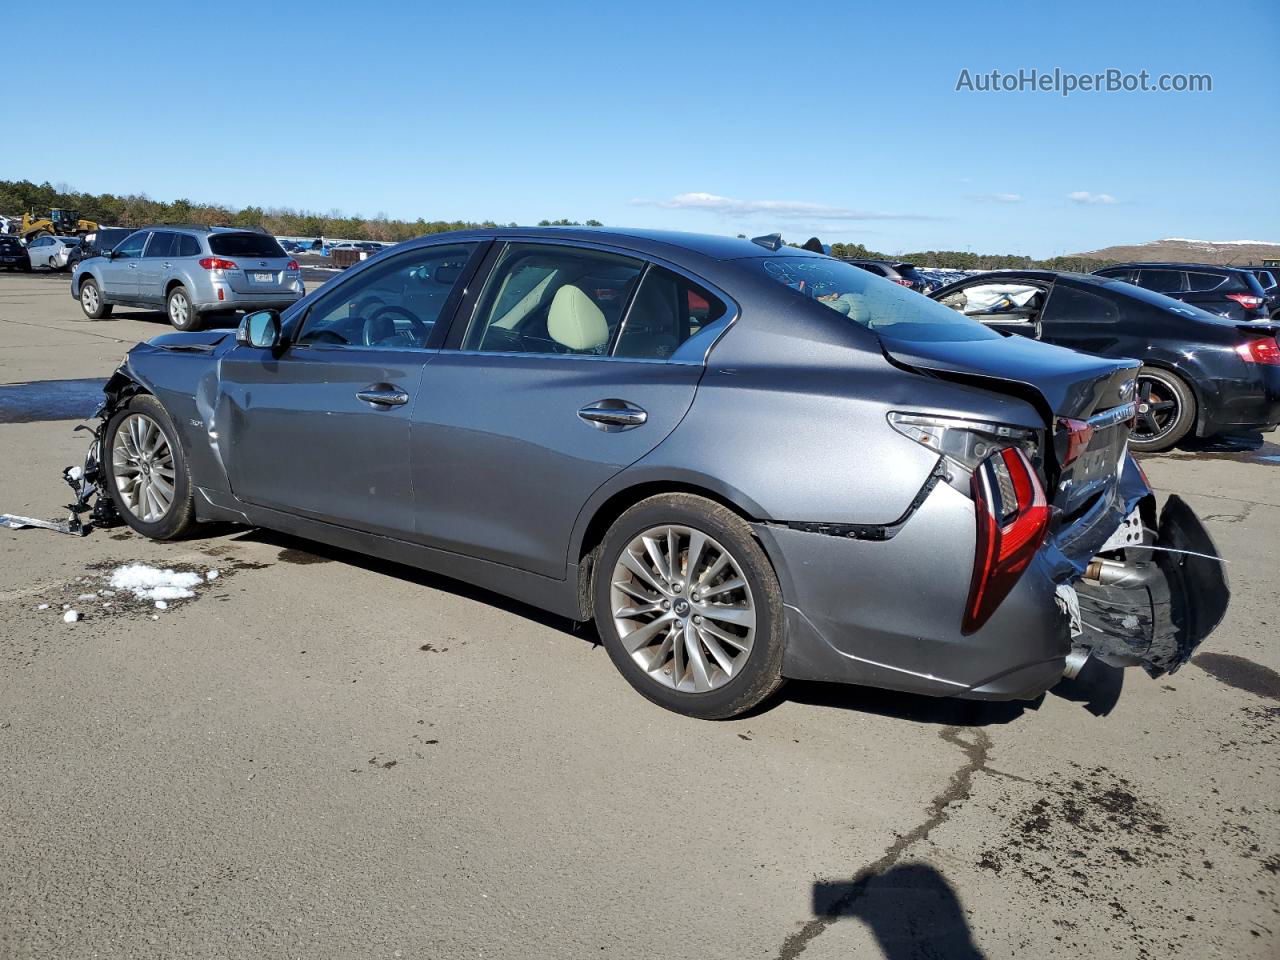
[325,755]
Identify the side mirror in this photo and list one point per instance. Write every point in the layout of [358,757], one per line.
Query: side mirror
[260,329]
[110,254]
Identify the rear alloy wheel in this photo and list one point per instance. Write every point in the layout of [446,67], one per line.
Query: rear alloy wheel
[147,470]
[91,301]
[182,314]
[689,607]
[1166,410]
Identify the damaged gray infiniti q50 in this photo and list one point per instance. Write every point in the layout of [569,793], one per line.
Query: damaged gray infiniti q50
[744,461]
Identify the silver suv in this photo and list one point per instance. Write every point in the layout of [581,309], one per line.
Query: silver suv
[192,272]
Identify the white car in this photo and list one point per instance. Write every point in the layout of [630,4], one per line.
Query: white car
[51,252]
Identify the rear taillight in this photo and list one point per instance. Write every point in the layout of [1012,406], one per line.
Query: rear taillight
[901,281]
[1012,518]
[292,266]
[217,263]
[1245,300]
[1262,350]
[1079,436]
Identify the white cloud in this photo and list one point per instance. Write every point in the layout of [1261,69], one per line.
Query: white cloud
[998,197]
[1084,196]
[786,209]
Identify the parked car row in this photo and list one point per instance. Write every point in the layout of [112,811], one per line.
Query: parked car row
[606,424]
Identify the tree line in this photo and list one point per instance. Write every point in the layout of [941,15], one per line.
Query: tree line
[136,210]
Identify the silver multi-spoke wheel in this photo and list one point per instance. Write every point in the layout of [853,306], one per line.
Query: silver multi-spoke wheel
[89,298]
[682,608]
[179,310]
[142,465]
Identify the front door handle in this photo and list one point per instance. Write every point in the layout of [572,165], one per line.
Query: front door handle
[383,395]
[613,414]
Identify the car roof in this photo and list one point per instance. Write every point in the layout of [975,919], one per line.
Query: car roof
[712,246]
[1172,265]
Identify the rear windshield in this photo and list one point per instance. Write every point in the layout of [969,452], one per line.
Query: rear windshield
[870,301]
[244,245]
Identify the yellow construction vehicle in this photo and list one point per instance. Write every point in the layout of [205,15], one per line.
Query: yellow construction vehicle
[59,223]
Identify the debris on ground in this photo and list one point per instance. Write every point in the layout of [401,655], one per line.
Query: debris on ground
[71,616]
[88,483]
[149,583]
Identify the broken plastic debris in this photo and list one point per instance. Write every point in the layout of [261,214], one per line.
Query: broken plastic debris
[71,616]
[148,583]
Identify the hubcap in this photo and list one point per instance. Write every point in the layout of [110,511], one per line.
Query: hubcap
[1158,409]
[142,464]
[682,608]
[178,310]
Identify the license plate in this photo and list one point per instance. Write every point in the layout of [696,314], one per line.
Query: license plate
[264,277]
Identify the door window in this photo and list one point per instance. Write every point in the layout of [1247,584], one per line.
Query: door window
[161,244]
[1002,302]
[1070,305]
[1162,281]
[553,299]
[132,247]
[667,311]
[392,305]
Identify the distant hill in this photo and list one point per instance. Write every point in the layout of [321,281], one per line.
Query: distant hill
[1221,252]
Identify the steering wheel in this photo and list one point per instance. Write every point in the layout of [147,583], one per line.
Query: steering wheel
[420,329]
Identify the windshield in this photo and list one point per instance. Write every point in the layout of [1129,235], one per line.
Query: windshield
[244,245]
[886,308]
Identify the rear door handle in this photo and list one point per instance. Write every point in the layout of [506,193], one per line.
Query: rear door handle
[613,414]
[383,395]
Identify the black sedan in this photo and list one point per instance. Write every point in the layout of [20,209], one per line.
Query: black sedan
[1202,374]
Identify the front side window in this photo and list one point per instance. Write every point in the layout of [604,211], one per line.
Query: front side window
[667,311]
[132,247]
[392,305]
[873,302]
[1002,301]
[552,299]
[1161,281]
[1070,305]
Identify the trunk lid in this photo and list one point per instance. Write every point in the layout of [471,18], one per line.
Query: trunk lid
[1060,383]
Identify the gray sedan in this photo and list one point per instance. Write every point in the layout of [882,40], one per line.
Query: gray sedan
[746,462]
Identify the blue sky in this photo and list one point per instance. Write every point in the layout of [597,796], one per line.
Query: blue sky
[840,119]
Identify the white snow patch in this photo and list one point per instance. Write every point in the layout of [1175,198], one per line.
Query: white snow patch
[162,605]
[71,616]
[1219,243]
[87,596]
[211,575]
[148,583]
[43,606]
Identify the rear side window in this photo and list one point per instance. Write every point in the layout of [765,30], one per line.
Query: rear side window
[161,244]
[1204,282]
[667,311]
[244,245]
[1162,281]
[1069,305]
[188,246]
[553,299]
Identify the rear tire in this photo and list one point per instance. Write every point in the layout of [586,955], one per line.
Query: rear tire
[696,654]
[1166,410]
[146,470]
[91,302]
[181,311]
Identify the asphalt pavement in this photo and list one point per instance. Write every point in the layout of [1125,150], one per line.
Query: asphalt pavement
[328,755]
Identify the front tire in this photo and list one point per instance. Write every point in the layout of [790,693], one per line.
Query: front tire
[689,607]
[1166,410]
[182,313]
[146,470]
[91,302]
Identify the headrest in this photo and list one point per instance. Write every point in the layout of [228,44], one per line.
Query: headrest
[575,322]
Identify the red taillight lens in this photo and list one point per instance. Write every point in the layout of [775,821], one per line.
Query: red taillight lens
[1245,300]
[217,263]
[1262,350]
[1079,436]
[902,281]
[1012,515]
[292,266]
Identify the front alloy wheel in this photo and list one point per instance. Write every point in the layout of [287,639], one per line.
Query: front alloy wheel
[143,468]
[682,609]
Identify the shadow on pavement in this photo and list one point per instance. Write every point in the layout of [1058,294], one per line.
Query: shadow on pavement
[944,711]
[911,910]
[1097,686]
